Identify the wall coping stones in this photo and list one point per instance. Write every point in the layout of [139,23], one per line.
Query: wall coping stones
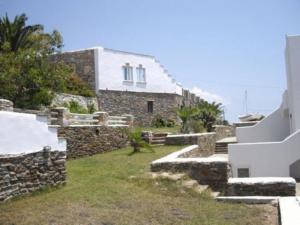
[174,157]
[189,135]
[261,180]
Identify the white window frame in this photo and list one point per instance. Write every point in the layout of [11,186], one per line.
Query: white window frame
[128,73]
[141,74]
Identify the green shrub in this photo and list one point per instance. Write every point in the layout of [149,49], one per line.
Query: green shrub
[170,123]
[136,140]
[195,126]
[158,121]
[75,107]
[91,108]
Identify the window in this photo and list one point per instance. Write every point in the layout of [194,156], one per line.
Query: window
[150,106]
[127,70]
[243,172]
[141,74]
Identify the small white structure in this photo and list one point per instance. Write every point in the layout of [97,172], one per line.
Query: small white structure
[272,146]
[27,133]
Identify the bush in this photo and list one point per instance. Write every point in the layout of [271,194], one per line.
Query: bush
[76,86]
[158,121]
[195,126]
[170,123]
[75,107]
[91,108]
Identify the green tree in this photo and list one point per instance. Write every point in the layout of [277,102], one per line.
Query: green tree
[208,113]
[186,114]
[15,33]
[28,76]
[136,140]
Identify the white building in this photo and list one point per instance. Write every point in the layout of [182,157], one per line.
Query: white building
[128,82]
[272,147]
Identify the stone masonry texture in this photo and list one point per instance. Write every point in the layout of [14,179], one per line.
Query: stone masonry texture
[83,63]
[135,103]
[25,173]
[261,189]
[213,174]
[90,140]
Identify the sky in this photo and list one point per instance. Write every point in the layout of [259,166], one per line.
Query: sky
[217,48]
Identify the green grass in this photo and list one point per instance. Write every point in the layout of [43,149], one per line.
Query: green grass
[112,188]
[173,130]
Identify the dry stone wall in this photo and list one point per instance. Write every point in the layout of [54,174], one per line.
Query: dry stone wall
[83,63]
[135,103]
[25,173]
[90,140]
[206,144]
[265,186]
[224,131]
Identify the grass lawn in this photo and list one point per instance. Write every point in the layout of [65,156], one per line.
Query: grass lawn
[101,190]
[173,130]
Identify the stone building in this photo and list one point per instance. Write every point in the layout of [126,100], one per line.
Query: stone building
[129,83]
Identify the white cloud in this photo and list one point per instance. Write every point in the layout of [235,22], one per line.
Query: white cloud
[210,97]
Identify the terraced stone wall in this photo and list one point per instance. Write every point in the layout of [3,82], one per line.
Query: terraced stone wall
[90,140]
[25,173]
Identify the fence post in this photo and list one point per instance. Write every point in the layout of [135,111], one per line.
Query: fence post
[59,116]
[129,119]
[102,118]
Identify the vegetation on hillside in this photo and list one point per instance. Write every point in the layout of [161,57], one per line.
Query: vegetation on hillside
[27,75]
[201,117]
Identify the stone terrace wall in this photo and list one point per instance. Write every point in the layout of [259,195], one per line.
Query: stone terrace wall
[212,173]
[24,173]
[265,186]
[135,103]
[83,63]
[224,131]
[208,171]
[206,142]
[89,140]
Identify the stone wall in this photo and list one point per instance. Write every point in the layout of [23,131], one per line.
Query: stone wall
[83,63]
[90,140]
[135,103]
[6,105]
[24,173]
[265,186]
[62,99]
[224,131]
[207,171]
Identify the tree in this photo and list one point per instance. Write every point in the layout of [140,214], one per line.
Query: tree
[186,114]
[16,34]
[208,113]
[28,76]
[136,140]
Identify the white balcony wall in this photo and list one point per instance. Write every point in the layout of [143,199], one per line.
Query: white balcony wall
[273,128]
[267,159]
[26,133]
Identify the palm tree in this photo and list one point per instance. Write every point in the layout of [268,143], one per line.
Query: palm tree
[16,33]
[185,114]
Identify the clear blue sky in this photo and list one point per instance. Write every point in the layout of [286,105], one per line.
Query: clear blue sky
[220,47]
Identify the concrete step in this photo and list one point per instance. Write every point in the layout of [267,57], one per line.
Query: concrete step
[289,210]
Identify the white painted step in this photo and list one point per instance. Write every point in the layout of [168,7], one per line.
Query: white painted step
[289,210]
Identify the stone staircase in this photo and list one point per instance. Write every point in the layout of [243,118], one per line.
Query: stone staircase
[222,145]
[158,139]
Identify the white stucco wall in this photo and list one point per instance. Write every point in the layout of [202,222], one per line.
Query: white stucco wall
[109,73]
[293,79]
[273,128]
[265,159]
[25,133]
